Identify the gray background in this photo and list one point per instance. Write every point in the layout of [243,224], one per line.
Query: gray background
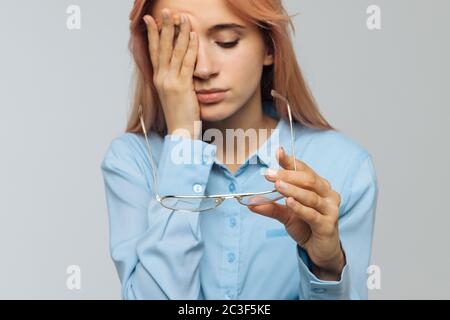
[65,96]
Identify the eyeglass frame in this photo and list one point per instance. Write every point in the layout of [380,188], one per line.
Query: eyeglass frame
[219,199]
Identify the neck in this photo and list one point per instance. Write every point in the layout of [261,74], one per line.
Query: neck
[250,116]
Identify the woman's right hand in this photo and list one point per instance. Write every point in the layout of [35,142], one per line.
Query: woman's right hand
[173,65]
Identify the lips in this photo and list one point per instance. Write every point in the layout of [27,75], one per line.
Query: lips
[211,96]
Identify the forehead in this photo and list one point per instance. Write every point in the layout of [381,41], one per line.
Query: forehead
[204,13]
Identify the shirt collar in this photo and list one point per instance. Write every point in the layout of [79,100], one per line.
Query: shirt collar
[280,136]
[267,152]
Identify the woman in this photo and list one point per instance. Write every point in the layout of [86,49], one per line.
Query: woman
[312,242]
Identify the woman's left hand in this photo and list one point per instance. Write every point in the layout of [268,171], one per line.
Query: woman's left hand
[310,215]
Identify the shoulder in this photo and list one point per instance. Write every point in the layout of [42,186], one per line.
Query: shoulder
[336,157]
[332,144]
[129,149]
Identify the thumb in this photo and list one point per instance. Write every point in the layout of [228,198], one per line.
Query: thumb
[287,161]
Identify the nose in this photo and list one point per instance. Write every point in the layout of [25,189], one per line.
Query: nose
[206,66]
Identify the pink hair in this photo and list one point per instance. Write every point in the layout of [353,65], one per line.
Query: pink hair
[284,75]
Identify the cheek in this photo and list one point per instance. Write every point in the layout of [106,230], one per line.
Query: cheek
[243,68]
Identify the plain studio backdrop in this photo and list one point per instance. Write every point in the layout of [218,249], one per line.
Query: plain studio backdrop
[65,96]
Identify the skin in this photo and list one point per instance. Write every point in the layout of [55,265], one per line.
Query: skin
[238,69]
[312,206]
[310,215]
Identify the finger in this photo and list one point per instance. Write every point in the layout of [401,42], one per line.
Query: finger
[273,210]
[188,66]
[307,180]
[307,214]
[302,179]
[287,162]
[176,27]
[166,44]
[311,182]
[306,197]
[181,46]
[153,41]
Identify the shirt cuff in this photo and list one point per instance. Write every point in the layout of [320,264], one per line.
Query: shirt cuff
[313,288]
[184,166]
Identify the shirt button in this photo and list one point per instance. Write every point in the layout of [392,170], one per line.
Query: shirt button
[231,257]
[232,187]
[319,290]
[197,188]
[232,222]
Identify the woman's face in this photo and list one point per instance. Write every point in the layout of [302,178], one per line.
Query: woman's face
[228,58]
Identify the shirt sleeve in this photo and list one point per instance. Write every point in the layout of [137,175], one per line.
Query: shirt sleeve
[356,232]
[156,251]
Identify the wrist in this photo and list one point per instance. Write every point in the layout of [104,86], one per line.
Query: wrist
[332,269]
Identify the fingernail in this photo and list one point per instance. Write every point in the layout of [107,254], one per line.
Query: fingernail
[182,19]
[165,14]
[271,173]
[282,185]
[145,19]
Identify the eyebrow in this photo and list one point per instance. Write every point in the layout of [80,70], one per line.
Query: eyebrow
[225,26]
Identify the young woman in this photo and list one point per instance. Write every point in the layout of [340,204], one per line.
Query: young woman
[303,231]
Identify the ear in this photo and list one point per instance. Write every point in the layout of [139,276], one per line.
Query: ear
[268,58]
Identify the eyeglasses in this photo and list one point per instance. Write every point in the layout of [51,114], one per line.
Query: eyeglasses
[209,202]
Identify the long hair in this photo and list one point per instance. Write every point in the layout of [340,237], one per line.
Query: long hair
[284,75]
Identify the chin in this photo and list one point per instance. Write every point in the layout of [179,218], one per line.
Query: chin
[214,113]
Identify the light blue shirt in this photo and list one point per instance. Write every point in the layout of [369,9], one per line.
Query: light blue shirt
[230,252]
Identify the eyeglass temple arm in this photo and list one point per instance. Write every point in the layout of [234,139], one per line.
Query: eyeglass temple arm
[277,95]
[153,164]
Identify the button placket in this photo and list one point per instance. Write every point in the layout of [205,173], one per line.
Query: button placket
[231,257]
[230,253]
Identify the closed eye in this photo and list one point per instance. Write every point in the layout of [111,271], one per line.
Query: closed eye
[228,45]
